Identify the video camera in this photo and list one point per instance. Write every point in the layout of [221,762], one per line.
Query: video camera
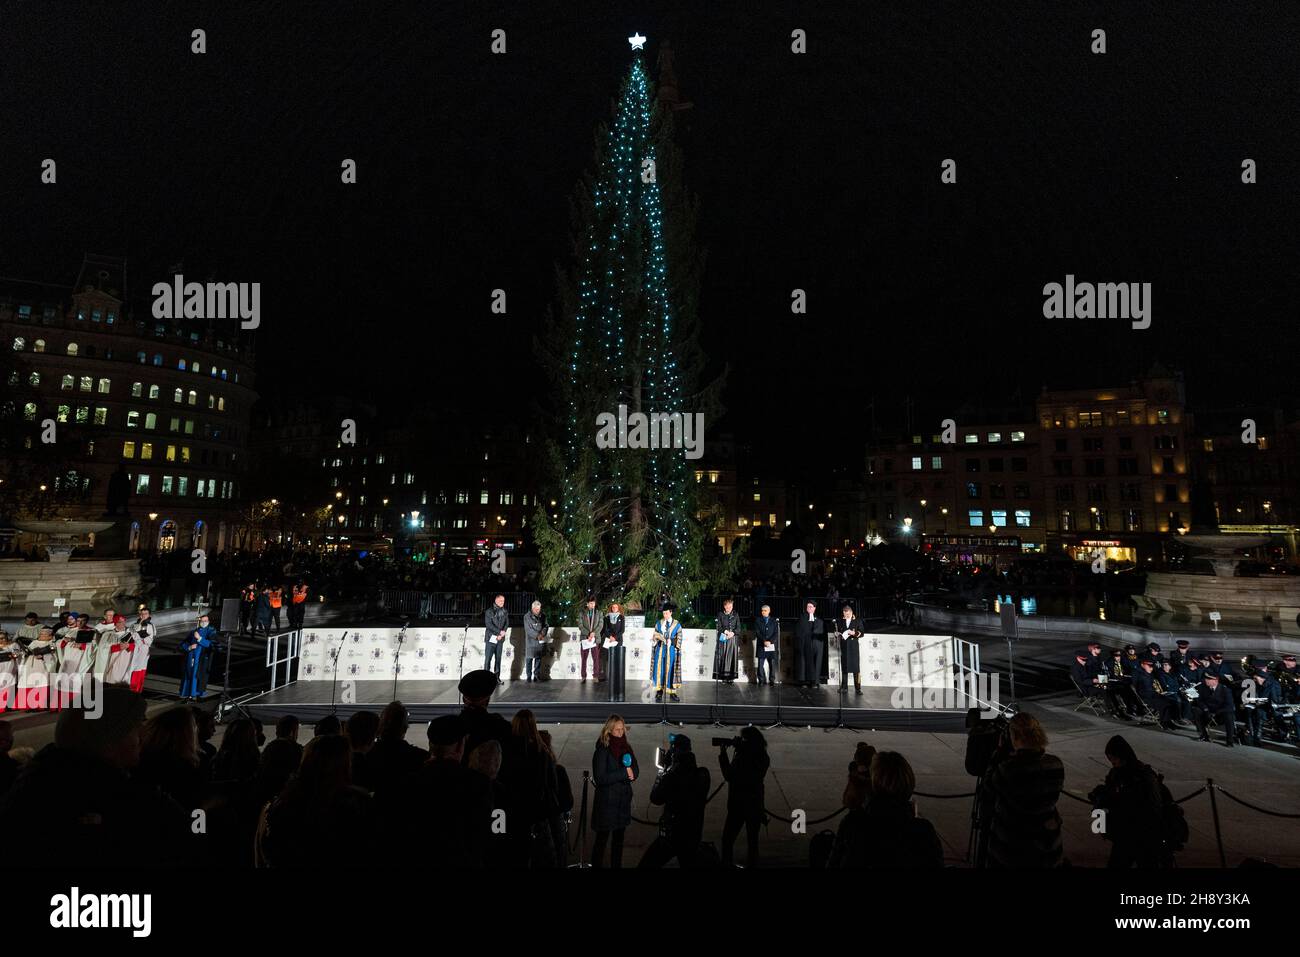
[728,742]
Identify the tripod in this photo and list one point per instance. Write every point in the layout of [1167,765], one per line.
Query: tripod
[780,721]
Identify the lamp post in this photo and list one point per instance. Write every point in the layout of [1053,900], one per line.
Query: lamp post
[944,510]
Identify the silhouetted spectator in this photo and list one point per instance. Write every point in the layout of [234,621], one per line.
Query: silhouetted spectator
[886,833]
[1133,799]
[320,819]
[528,773]
[8,766]
[361,730]
[392,758]
[169,756]
[683,790]
[744,775]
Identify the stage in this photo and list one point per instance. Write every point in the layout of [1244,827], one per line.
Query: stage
[567,700]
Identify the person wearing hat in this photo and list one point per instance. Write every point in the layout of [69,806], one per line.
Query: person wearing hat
[1180,654]
[194,646]
[1223,669]
[71,623]
[682,789]
[1214,699]
[143,634]
[666,655]
[90,808]
[30,629]
[1153,695]
[1153,653]
[1130,661]
[481,724]
[1263,695]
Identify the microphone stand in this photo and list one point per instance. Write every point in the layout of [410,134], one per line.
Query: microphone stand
[839,711]
[780,722]
[334,681]
[464,640]
[397,656]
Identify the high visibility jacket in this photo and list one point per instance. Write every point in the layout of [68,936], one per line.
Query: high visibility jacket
[276,597]
[299,594]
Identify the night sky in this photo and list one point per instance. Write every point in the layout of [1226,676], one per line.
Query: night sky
[818,171]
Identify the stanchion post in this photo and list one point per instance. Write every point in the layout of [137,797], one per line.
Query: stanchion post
[1218,831]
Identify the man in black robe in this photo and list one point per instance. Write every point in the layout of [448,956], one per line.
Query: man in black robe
[725,656]
[809,640]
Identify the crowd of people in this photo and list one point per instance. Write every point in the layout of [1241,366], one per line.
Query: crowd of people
[490,792]
[1187,688]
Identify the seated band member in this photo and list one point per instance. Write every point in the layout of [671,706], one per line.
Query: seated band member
[1171,679]
[666,656]
[1152,695]
[1263,695]
[767,641]
[589,630]
[725,655]
[850,631]
[496,624]
[809,636]
[1214,699]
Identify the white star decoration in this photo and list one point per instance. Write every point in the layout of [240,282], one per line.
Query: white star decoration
[637,41]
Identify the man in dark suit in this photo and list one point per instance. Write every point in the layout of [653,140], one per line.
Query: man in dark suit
[767,640]
[1214,699]
[809,640]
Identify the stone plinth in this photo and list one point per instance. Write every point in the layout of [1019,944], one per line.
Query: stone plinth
[87,585]
[1236,599]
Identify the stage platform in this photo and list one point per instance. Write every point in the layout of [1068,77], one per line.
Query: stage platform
[574,701]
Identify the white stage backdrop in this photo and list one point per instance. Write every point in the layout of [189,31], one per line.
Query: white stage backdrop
[888,660]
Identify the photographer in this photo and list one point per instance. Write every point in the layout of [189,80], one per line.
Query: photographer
[1133,799]
[1021,791]
[744,775]
[683,790]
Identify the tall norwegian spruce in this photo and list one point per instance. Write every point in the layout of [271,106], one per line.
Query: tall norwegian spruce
[625,332]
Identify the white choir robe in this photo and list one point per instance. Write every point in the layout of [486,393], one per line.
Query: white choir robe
[117,667]
[76,659]
[34,676]
[144,635]
[9,677]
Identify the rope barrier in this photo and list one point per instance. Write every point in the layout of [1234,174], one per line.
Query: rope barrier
[1253,807]
[943,797]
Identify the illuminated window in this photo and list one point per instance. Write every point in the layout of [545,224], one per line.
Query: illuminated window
[72,348]
[64,412]
[101,415]
[104,386]
[185,453]
[151,420]
[29,411]
[1262,442]
[20,344]
[171,453]
[1017,436]
[87,383]
[128,450]
[142,484]
[976,518]
[193,397]
[1022,518]
[936,462]
[146,450]
[1000,518]
[1162,416]
[68,383]
[995,437]
[166,485]
[183,485]
[38,345]
[34,379]
[713,478]
[916,463]
[972,439]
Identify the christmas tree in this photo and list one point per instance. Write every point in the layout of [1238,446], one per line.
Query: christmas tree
[623,522]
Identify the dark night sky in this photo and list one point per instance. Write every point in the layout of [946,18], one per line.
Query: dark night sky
[819,171]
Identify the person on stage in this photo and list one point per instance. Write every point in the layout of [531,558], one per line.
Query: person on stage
[195,647]
[247,602]
[767,641]
[298,605]
[725,655]
[144,634]
[589,638]
[611,635]
[496,624]
[666,656]
[613,769]
[850,632]
[534,641]
[809,636]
